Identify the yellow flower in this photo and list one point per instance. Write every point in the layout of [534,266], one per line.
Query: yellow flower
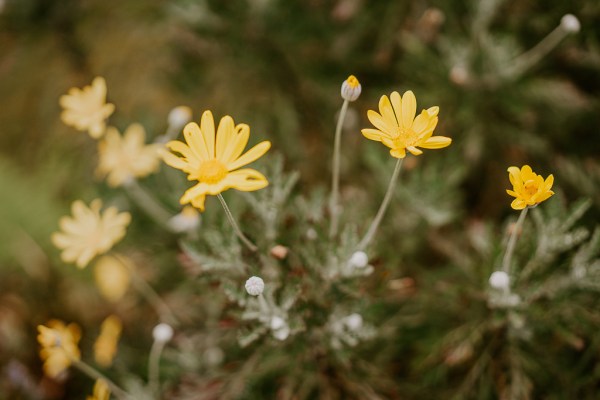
[101,391]
[112,277]
[398,129]
[105,346]
[86,109]
[59,346]
[529,188]
[127,157]
[213,160]
[89,233]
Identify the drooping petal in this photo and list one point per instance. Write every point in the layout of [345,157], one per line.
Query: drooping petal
[398,152]
[518,204]
[414,151]
[246,180]
[251,155]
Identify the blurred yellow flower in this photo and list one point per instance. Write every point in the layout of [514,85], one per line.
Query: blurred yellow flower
[105,346]
[529,188]
[213,160]
[89,233]
[86,109]
[101,391]
[112,277]
[398,129]
[59,346]
[127,157]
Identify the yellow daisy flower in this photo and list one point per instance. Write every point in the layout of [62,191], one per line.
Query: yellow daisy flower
[398,129]
[112,276]
[89,233]
[127,157]
[213,160]
[105,346]
[59,346]
[529,188]
[86,109]
[101,391]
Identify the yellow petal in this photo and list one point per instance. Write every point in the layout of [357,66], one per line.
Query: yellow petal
[238,144]
[198,202]
[414,151]
[518,204]
[396,101]
[398,153]
[387,114]
[379,123]
[174,161]
[409,108]
[246,180]
[436,142]
[225,136]
[194,138]
[251,155]
[420,123]
[373,134]
[207,125]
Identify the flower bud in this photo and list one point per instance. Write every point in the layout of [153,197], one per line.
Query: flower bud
[162,333]
[351,89]
[255,286]
[354,321]
[499,280]
[570,23]
[179,116]
[359,259]
[277,323]
[186,221]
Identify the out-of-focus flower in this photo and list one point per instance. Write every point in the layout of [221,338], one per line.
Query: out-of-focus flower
[59,346]
[179,116]
[112,276]
[255,286]
[127,157]
[529,188]
[86,109]
[105,346]
[359,259]
[353,321]
[398,129]
[570,23]
[499,280]
[89,233]
[214,159]
[101,391]
[351,88]
[187,220]
[162,333]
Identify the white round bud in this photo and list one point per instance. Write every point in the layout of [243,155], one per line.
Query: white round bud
[351,89]
[255,286]
[179,116]
[354,321]
[186,221]
[359,259]
[499,280]
[282,333]
[162,333]
[277,323]
[570,23]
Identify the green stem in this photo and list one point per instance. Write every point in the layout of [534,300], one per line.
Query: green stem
[95,374]
[335,176]
[153,366]
[384,204]
[235,226]
[512,241]
[147,203]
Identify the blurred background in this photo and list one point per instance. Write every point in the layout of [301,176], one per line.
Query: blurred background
[509,94]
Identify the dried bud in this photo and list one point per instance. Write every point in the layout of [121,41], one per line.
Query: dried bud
[570,23]
[279,252]
[351,88]
[162,333]
[255,286]
[499,280]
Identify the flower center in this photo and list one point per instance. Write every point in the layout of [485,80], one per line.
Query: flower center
[530,187]
[211,171]
[404,138]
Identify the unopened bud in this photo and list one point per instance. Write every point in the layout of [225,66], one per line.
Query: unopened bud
[255,286]
[570,23]
[359,259]
[499,280]
[179,116]
[351,88]
[162,333]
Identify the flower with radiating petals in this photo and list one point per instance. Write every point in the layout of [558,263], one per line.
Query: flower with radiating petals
[86,109]
[112,276]
[398,129]
[101,391]
[529,188]
[127,157]
[214,159]
[105,346]
[88,232]
[59,346]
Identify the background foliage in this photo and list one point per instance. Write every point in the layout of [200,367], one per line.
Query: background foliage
[278,65]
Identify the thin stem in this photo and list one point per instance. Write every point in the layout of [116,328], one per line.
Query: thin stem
[512,241]
[162,309]
[148,203]
[335,176]
[384,204]
[235,226]
[153,364]
[95,374]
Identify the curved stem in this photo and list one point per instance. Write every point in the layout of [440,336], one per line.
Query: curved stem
[512,241]
[235,226]
[153,364]
[384,204]
[335,176]
[95,374]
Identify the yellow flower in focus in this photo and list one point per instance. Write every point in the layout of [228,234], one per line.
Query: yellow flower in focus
[88,232]
[398,129]
[59,346]
[101,391]
[105,346]
[529,188]
[127,157]
[214,159]
[112,277]
[86,109]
